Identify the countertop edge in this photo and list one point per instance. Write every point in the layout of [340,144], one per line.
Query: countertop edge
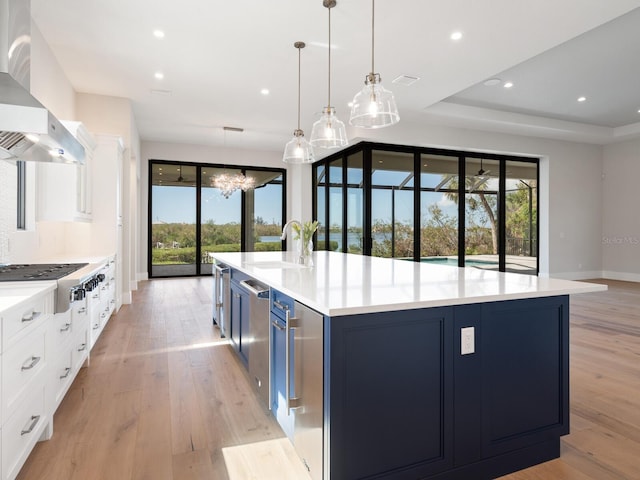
[565,287]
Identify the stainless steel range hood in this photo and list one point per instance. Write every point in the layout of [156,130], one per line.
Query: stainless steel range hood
[28,131]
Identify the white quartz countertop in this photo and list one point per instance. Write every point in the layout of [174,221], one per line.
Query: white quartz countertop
[347,284]
[18,294]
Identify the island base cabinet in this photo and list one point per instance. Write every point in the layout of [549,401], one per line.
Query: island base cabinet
[403,402]
[391,395]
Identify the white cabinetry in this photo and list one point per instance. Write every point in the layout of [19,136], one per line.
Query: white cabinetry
[107,228]
[64,190]
[101,301]
[25,363]
[67,345]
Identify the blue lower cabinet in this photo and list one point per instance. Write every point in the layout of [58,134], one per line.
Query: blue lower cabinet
[406,396]
[403,402]
[391,394]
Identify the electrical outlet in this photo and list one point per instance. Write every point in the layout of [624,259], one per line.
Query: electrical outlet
[467,340]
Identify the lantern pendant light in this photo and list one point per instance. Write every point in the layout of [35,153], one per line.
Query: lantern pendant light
[298,150]
[373,106]
[329,131]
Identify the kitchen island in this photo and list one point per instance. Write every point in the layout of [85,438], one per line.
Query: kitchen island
[423,371]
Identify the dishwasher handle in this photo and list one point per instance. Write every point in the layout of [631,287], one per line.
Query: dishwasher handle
[261,291]
[221,269]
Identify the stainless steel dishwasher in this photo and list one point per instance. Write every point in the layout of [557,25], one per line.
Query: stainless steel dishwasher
[259,338]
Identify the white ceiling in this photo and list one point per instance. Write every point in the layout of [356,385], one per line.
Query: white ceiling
[216,57]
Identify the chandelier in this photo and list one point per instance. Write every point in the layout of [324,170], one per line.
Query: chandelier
[228,183]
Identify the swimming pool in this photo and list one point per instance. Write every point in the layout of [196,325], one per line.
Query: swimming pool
[454,262]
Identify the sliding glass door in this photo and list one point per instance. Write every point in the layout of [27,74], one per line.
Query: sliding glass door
[191,214]
[429,205]
[173,220]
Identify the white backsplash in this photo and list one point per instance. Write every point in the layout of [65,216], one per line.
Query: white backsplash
[8,206]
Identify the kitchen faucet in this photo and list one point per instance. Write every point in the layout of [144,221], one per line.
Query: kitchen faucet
[284,236]
[284,229]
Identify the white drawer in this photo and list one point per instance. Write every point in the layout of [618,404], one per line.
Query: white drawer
[61,330]
[19,319]
[79,309]
[21,366]
[62,376]
[80,349]
[21,432]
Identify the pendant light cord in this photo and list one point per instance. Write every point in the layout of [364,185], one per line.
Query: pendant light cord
[299,57]
[373,16]
[329,82]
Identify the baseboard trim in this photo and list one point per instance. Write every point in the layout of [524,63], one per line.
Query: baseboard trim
[622,276]
[142,276]
[586,275]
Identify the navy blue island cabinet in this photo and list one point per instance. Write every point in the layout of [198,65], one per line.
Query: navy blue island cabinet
[402,401]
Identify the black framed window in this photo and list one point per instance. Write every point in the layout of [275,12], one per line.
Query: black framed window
[439,206]
[190,215]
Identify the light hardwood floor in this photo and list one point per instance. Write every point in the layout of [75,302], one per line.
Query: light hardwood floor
[165,398]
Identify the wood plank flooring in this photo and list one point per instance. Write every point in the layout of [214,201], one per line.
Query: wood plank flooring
[166,399]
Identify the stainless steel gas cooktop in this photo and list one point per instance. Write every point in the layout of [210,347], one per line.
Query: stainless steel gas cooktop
[37,271]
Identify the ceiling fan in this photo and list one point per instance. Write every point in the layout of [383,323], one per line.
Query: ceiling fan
[482,171]
[180,177]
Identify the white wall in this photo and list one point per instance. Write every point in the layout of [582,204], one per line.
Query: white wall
[49,84]
[621,220]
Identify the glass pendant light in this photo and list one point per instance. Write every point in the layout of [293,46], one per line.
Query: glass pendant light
[298,150]
[329,131]
[374,106]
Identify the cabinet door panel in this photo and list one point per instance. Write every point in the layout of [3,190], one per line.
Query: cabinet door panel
[525,367]
[391,394]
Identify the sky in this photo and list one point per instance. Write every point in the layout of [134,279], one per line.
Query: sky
[177,204]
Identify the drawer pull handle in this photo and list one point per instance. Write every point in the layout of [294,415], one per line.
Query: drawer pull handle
[96,326]
[30,317]
[277,325]
[33,422]
[82,310]
[66,327]
[33,361]
[280,306]
[67,371]
[82,347]
[95,295]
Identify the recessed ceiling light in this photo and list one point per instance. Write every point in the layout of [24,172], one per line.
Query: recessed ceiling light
[264,91]
[159,75]
[638,111]
[350,104]
[456,35]
[508,84]
[492,82]
[582,99]
[158,33]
